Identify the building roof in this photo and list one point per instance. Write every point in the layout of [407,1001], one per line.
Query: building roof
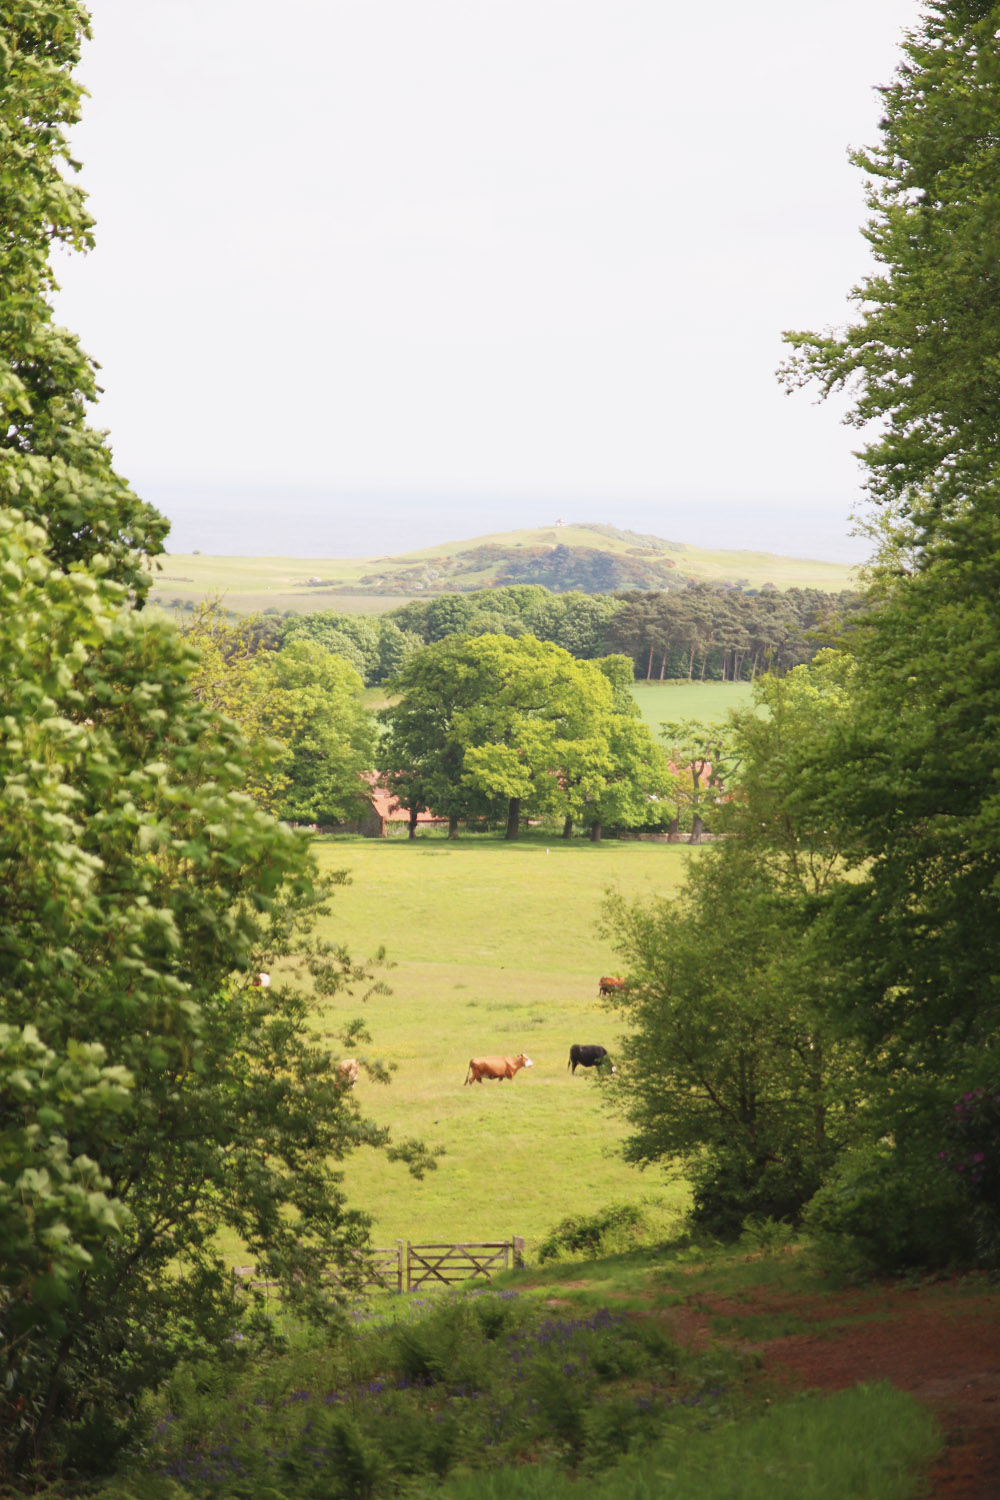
[384,802]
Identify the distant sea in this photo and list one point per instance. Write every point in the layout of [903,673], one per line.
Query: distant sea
[232,520]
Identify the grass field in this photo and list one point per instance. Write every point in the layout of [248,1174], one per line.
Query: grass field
[707,702]
[497,949]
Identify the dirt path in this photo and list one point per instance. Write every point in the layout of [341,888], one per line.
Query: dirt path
[941,1342]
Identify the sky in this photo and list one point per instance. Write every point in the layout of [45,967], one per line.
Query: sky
[377,273]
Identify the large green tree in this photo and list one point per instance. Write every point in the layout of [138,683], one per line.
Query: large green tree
[912,776]
[484,722]
[638,774]
[313,698]
[150,1095]
[734,1067]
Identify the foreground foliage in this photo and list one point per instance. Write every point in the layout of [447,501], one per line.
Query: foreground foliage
[471,1380]
[733,1069]
[150,1095]
[872,1443]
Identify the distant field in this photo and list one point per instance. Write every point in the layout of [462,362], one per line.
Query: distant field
[251,584]
[659,702]
[497,949]
[707,702]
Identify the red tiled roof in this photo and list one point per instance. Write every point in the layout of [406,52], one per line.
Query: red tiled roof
[384,802]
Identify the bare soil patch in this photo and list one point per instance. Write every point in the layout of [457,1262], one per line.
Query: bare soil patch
[941,1342]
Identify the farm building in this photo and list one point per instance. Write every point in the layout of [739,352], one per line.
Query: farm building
[383,815]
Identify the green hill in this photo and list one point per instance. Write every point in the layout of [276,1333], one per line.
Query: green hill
[591,558]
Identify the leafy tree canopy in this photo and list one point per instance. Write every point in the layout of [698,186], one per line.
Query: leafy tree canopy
[53,467]
[148,1094]
[490,721]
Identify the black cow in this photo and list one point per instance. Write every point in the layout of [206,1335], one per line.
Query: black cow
[588,1057]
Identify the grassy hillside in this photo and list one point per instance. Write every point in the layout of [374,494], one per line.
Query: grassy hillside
[378,583]
[497,949]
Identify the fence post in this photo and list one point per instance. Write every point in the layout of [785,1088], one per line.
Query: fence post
[407,1265]
[518,1246]
[399,1265]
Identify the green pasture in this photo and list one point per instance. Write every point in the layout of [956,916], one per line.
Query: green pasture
[252,585]
[496,948]
[707,702]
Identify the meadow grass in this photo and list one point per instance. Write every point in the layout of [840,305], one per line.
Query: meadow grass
[705,702]
[659,702]
[496,948]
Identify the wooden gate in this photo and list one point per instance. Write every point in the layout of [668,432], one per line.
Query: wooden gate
[408,1266]
[448,1264]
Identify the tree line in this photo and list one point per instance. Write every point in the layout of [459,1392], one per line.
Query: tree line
[707,632]
[700,631]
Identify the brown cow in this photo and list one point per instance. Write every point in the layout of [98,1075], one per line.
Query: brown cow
[608,985]
[496,1067]
[349,1070]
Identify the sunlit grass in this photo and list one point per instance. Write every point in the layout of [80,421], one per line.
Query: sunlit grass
[496,948]
[705,702]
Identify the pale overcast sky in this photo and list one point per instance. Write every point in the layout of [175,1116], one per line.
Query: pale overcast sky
[376,271]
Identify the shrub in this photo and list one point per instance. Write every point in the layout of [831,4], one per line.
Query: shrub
[618,1227]
[881,1210]
[729,1190]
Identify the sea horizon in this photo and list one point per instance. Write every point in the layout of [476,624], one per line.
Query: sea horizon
[264,520]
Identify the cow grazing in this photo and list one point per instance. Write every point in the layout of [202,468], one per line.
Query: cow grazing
[349,1070]
[609,985]
[496,1067]
[588,1057]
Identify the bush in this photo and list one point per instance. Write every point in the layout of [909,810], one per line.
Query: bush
[881,1210]
[618,1227]
[728,1191]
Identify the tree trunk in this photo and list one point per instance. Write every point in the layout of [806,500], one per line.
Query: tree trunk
[595,833]
[513,818]
[412,829]
[568,828]
[697,829]
[674,831]
[649,664]
[452,826]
